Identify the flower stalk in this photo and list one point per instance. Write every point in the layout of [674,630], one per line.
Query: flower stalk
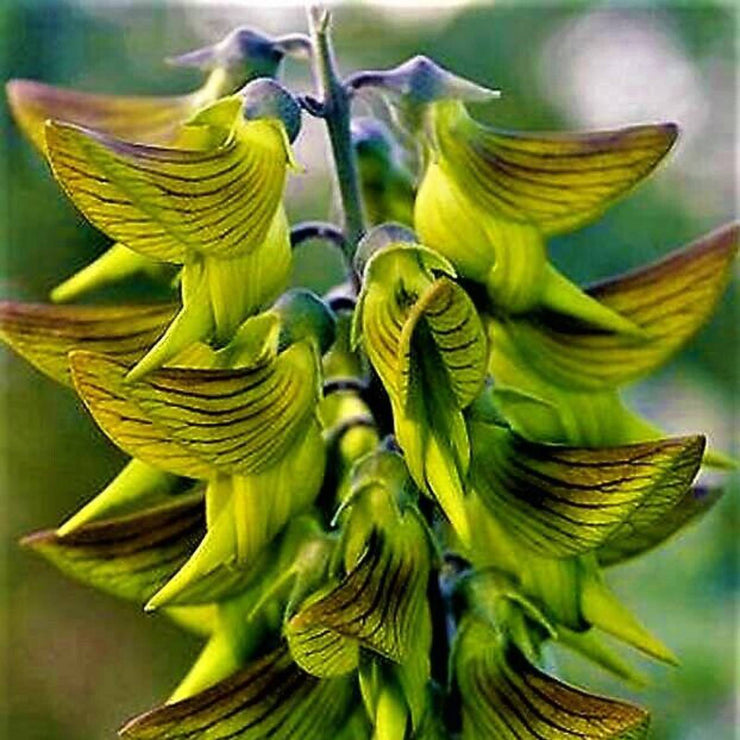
[335,110]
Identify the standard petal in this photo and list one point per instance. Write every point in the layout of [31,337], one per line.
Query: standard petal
[657,519]
[563,501]
[154,120]
[100,382]
[557,181]
[166,203]
[130,556]
[457,333]
[242,420]
[239,421]
[272,697]
[44,334]
[377,604]
[505,696]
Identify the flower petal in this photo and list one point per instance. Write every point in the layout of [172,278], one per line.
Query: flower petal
[271,697]
[241,526]
[150,119]
[557,181]
[563,501]
[44,334]
[659,518]
[130,556]
[457,333]
[191,421]
[377,604]
[504,696]
[166,203]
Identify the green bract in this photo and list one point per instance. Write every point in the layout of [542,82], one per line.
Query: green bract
[376,507]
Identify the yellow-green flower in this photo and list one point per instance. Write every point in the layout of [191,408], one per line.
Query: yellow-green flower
[556,381]
[214,205]
[489,199]
[250,430]
[239,57]
[375,604]
[544,513]
[505,696]
[426,342]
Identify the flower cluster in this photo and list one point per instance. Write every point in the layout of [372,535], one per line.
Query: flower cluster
[379,506]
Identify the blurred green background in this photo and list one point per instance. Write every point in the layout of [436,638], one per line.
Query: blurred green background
[76,663]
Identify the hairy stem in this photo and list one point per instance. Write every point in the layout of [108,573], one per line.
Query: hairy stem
[335,101]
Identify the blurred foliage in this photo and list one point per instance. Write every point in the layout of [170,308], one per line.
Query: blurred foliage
[77,660]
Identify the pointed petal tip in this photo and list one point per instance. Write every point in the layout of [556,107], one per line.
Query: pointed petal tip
[19,90]
[34,540]
[153,604]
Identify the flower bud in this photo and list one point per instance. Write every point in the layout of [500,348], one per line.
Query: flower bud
[265,98]
[244,50]
[304,316]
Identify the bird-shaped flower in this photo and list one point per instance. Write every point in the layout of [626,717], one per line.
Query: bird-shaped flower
[244,54]
[244,421]
[426,342]
[557,381]
[375,602]
[212,204]
[545,513]
[488,199]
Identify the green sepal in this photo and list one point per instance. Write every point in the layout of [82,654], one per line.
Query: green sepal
[271,697]
[245,621]
[44,334]
[129,556]
[117,263]
[543,412]
[505,696]
[138,484]
[563,501]
[406,687]
[391,715]
[656,521]
[305,317]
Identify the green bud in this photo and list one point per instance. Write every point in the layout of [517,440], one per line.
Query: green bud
[304,316]
[244,50]
[265,98]
[421,80]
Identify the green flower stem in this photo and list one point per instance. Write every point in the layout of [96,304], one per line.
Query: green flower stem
[336,113]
